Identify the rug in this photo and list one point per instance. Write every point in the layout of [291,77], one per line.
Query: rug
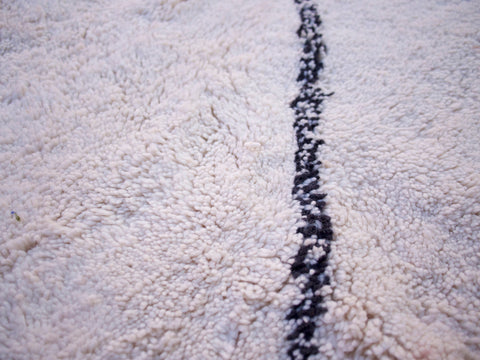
[239,180]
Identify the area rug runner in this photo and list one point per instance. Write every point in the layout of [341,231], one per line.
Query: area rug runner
[239,179]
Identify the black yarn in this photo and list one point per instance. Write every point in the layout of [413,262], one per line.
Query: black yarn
[310,263]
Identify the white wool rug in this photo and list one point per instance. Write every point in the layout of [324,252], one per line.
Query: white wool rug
[202,179]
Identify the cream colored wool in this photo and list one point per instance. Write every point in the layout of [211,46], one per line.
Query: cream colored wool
[402,170]
[147,147]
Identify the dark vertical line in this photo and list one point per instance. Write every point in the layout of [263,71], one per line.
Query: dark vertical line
[310,263]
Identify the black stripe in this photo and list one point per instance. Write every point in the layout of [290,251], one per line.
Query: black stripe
[310,263]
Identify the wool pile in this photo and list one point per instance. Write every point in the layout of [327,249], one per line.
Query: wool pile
[402,171]
[198,179]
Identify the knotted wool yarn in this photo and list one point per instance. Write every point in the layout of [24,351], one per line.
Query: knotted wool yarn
[204,179]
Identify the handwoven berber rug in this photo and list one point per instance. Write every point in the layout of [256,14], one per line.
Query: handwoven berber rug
[241,179]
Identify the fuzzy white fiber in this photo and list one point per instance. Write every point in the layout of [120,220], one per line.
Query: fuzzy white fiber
[147,148]
[402,171]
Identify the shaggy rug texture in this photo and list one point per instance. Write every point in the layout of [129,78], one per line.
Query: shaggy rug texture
[202,179]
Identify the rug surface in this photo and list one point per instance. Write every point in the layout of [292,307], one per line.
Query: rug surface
[206,179]
[402,171]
